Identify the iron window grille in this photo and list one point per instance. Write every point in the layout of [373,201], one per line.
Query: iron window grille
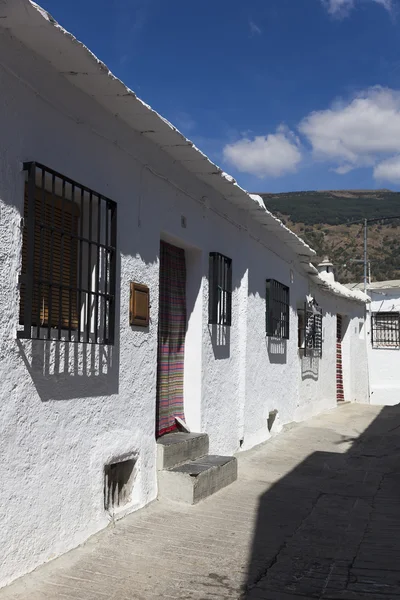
[310,330]
[68,274]
[385,330]
[277,309]
[220,293]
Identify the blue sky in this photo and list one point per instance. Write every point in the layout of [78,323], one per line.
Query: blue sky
[282,94]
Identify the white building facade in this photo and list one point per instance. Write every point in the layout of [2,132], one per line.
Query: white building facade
[78,368]
[383,341]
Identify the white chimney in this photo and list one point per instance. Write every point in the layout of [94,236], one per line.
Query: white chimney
[325,269]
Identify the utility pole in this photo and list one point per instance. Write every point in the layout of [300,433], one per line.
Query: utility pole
[365,259]
[365,255]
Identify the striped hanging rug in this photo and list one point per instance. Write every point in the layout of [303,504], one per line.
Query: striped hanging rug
[339,368]
[171,338]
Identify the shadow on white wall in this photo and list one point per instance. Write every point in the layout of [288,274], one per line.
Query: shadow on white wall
[221,340]
[65,370]
[277,350]
[310,367]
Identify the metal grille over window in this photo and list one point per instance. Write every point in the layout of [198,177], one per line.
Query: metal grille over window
[277,310]
[385,330]
[310,330]
[220,291]
[68,273]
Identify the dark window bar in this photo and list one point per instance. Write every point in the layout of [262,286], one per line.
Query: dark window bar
[68,274]
[277,309]
[385,329]
[220,290]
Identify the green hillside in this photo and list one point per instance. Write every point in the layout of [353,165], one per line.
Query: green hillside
[325,220]
[334,207]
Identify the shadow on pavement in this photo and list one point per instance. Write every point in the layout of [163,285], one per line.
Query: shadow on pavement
[331,528]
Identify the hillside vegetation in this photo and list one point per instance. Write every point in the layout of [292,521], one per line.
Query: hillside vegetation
[325,220]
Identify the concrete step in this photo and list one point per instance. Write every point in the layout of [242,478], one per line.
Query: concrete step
[197,479]
[177,448]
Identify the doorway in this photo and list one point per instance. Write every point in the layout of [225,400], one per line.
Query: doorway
[339,364]
[171,338]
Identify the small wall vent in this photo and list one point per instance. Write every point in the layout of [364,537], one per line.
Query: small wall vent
[271,418]
[118,480]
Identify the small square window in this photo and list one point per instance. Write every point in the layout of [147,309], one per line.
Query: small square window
[277,310]
[385,331]
[220,290]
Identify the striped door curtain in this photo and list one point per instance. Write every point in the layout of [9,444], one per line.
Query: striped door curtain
[171,338]
[339,368]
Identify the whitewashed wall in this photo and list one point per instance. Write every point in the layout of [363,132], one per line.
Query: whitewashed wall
[318,377]
[62,417]
[384,363]
[279,376]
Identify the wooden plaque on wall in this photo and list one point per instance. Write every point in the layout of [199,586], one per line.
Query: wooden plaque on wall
[139,305]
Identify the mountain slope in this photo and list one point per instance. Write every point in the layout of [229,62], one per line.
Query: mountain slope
[325,221]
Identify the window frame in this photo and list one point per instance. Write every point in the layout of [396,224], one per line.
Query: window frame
[310,329]
[220,290]
[277,310]
[89,328]
[393,316]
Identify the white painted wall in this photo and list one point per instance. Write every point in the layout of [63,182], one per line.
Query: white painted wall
[62,416]
[383,362]
[318,376]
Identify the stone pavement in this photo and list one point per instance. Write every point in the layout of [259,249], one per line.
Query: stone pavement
[315,513]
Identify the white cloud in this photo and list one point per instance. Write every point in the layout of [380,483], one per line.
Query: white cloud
[335,7]
[362,132]
[388,170]
[343,7]
[388,4]
[272,155]
[358,133]
[343,169]
[254,28]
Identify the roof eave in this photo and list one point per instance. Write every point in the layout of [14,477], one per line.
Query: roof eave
[35,28]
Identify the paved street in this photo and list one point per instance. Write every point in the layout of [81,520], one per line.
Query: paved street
[315,514]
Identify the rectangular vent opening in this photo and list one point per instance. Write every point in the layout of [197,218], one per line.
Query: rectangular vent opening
[271,418]
[118,479]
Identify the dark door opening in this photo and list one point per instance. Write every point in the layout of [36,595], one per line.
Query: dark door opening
[171,338]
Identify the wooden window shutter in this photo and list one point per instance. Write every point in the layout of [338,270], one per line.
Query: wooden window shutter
[47,261]
[139,309]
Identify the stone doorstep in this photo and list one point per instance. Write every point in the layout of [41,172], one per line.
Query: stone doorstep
[198,479]
[177,448]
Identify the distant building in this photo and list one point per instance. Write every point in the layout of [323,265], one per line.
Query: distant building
[383,340]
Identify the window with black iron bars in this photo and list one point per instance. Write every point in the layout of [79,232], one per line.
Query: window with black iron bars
[220,290]
[68,271]
[310,330]
[385,330]
[277,309]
